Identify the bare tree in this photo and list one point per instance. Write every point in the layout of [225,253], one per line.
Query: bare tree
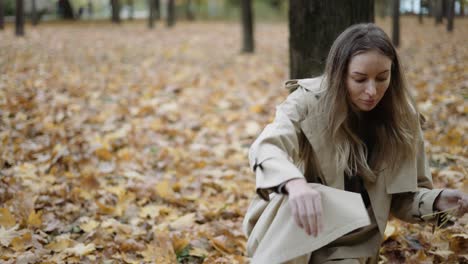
[420,15]
[157,9]
[462,7]
[115,6]
[396,23]
[151,16]
[170,13]
[34,15]
[450,14]
[19,18]
[438,11]
[189,10]
[248,45]
[314,25]
[65,9]
[2,15]
[131,9]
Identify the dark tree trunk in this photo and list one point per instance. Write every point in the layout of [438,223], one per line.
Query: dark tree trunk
[248,44]
[19,18]
[157,9]
[2,15]
[151,16]
[314,25]
[462,7]
[396,23]
[131,9]
[115,6]
[34,15]
[170,13]
[450,14]
[438,12]
[65,9]
[430,8]
[420,15]
[189,10]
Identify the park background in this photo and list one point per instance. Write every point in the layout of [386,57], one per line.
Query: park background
[124,135]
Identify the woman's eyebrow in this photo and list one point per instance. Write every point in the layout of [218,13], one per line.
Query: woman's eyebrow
[360,73]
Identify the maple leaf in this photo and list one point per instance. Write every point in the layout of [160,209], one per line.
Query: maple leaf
[80,249]
[6,235]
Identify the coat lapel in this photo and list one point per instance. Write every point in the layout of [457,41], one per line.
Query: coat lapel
[313,128]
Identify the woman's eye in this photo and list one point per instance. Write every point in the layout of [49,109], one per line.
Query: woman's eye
[381,80]
[360,80]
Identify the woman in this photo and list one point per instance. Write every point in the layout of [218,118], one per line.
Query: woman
[356,128]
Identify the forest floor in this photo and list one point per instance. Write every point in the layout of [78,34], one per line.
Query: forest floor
[124,144]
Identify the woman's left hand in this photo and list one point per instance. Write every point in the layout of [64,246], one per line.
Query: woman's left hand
[452,198]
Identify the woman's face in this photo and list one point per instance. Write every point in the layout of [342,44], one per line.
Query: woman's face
[368,78]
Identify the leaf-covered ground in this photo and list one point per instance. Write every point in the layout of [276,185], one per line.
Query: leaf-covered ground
[121,144]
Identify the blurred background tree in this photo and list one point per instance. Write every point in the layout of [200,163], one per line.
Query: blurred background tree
[442,11]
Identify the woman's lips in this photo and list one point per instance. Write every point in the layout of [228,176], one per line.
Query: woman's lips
[368,102]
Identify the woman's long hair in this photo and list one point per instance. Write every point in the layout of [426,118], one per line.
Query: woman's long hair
[392,124]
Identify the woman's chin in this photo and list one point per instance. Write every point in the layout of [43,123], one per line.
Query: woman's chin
[366,107]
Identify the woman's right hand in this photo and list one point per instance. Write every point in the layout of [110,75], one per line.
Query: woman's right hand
[306,206]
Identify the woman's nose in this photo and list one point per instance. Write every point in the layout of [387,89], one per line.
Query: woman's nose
[371,89]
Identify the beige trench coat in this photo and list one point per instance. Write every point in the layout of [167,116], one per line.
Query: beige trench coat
[406,191]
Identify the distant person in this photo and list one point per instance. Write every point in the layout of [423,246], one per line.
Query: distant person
[80,12]
[356,129]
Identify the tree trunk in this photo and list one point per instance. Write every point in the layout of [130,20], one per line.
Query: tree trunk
[430,8]
[420,15]
[157,9]
[438,11]
[19,18]
[313,27]
[34,15]
[65,9]
[396,23]
[170,13]
[115,6]
[2,15]
[189,10]
[450,14]
[462,7]
[131,9]
[248,45]
[151,6]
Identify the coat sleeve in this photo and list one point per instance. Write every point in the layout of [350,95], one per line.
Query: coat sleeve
[417,206]
[274,155]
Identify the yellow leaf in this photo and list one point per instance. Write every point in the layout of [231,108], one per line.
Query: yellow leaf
[391,231]
[81,249]
[222,245]
[198,252]
[59,245]
[160,250]
[164,189]
[104,154]
[35,219]
[256,109]
[20,243]
[89,226]
[6,218]
[6,235]
[184,221]
[179,243]
[150,210]
[104,209]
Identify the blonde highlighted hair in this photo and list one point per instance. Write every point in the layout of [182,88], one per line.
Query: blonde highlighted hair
[393,123]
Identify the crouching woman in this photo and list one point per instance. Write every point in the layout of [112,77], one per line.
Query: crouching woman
[345,150]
